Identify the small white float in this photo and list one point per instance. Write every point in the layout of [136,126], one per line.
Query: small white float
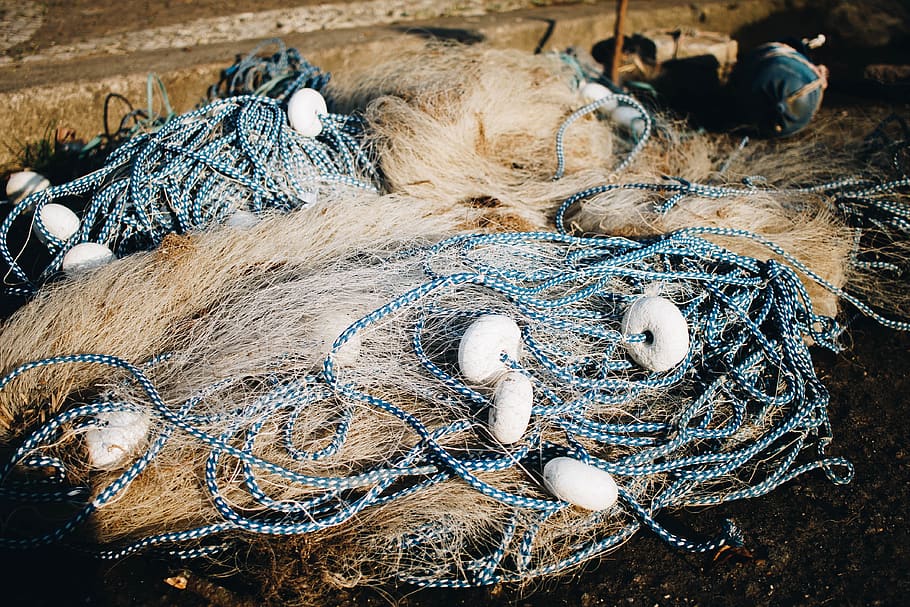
[241,219]
[117,439]
[59,221]
[667,331]
[304,108]
[630,119]
[579,483]
[594,91]
[23,183]
[86,256]
[483,343]
[511,410]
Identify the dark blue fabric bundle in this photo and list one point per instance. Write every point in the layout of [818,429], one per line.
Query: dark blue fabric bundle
[778,90]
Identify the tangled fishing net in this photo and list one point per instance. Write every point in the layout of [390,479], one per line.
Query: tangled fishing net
[306,376]
[381,434]
[447,126]
[232,160]
[848,232]
[479,126]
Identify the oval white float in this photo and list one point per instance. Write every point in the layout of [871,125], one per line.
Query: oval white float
[594,91]
[304,108]
[669,333]
[579,483]
[482,344]
[111,445]
[23,183]
[511,410]
[59,221]
[85,256]
[630,119]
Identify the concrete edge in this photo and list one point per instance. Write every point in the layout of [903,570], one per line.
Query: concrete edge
[45,100]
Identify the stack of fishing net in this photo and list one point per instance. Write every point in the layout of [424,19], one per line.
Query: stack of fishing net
[229,161]
[309,377]
[449,127]
[327,394]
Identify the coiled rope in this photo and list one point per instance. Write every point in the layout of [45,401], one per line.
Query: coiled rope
[277,76]
[233,155]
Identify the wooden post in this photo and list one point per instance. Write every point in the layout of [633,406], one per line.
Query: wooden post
[620,25]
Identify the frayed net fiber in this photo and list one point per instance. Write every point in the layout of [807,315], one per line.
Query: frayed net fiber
[478,125]
[130,307]
[328,397]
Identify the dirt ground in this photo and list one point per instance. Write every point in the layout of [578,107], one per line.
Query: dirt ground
[65,22]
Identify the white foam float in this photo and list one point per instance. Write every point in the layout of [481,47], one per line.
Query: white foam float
[594,91]
[630,119]
[579,483]
[117,439]
[58,220]
[23,183]
[309,197]
[668,331]
[482,345]
[86,256]
[511,411]
[304,108]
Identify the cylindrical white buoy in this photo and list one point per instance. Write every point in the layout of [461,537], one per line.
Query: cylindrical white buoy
[112,444]
[594,91]
[85,256]
[630,119]
[59,221]
[668,332]
[482,344]
[23,183]
[304,108]
[511,410]
[579,483]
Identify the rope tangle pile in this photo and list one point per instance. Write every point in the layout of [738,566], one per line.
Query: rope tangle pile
[513,405]
[277,76]
[231,160]
[738,413]
[875,210]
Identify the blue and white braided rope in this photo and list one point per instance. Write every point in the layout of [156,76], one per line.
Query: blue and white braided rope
[746,407]
[236,154]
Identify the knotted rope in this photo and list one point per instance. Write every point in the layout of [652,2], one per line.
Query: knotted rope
[277,76]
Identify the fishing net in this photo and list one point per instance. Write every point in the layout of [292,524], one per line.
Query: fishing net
[232,160]
[302,376]
[327,395]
